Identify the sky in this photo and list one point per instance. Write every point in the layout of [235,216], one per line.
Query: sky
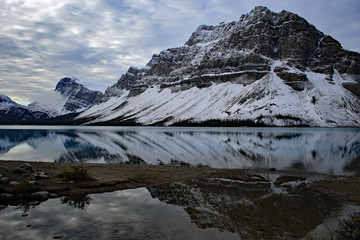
[42,41]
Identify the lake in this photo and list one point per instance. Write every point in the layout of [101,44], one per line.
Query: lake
[322,150]
[193,209]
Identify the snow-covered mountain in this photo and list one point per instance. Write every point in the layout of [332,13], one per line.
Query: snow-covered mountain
[268,68]
[11,112]
[73,97]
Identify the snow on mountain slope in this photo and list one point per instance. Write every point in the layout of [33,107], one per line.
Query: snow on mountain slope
[262,102]
[6,102]
[54,106]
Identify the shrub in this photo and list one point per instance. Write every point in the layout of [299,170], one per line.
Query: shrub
[75,173]
[349,228]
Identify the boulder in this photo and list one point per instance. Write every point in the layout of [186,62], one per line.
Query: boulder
[4,180]
[24,168]
[42,195]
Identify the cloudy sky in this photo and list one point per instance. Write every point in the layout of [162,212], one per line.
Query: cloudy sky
[42,41]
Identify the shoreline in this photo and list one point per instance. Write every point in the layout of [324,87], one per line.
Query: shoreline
[113,177]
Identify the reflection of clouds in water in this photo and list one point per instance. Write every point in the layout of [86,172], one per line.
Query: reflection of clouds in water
[321,150]
[125,214]
[44,149]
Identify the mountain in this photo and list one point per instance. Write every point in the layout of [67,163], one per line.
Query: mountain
[272,69]
[13,113]
[74,97]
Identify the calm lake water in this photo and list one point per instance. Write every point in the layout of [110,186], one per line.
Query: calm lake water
[324,150]
[194,209]
[127,214]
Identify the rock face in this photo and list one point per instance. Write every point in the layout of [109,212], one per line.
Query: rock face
[247,46]
[11,112]
[268,68]
[78,97]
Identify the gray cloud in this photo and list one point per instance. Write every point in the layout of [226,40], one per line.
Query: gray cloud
[97,41]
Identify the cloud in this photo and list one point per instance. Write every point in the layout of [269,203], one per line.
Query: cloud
[97,41]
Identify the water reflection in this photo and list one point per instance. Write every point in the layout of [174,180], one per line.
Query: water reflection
[127,214]
[76,201]
[202,209]
[335,151]
[255,211]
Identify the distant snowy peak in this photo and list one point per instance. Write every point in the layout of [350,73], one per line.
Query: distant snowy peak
[78,97]
[72,97]
[12,112]
[65,83]
[268,68]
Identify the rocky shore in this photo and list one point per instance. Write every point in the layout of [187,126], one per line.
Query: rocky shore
[38,181]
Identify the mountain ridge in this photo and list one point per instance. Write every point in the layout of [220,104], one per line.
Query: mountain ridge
[14,113]
[266,69]
[317,81]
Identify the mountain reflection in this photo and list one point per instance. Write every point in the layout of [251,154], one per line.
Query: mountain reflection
[323,150]
[251,210]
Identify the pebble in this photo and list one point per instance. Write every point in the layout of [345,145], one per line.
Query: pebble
[4,180]
[34,203]
[35,175]
[286,185]
[43,175]
[24,215]
[6,196]
[53,195]
[257,178]
[14,184]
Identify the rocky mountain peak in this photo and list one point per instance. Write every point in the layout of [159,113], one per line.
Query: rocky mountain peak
[66,84]
[77,96]
[267,68]
[250,44]
[73,97]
